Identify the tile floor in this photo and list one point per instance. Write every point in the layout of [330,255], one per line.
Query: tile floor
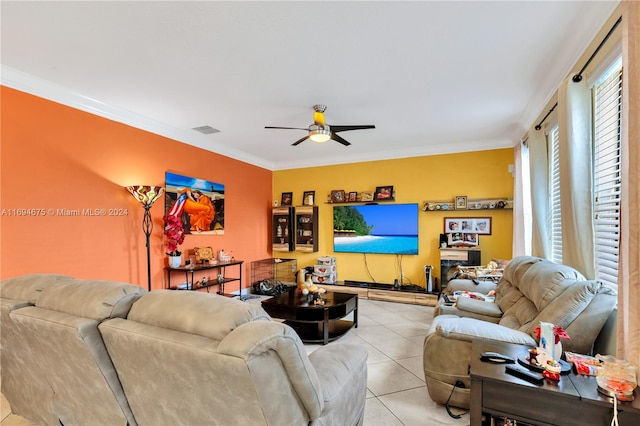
[396,395]
[396,392]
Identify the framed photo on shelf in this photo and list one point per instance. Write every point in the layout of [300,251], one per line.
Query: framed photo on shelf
[384,193]
[353,196]
[287,199]
[307,198]
[461,202]
[462,239]
[367,196]
[338,196]
[468,225]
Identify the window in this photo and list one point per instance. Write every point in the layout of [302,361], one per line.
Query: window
[607,101]
[554,191]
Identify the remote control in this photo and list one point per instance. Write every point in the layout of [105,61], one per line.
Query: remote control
[524,374]
[496,358]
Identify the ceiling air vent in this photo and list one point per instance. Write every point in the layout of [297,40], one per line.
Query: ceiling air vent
[206,130]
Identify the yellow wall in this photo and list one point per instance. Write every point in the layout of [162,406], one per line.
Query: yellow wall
[481,174]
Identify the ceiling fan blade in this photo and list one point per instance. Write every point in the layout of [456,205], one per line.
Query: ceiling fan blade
[290,128]
[339,139]
[345,128]
[299,141]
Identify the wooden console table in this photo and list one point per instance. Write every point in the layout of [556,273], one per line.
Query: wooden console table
[190,270]
[573,401]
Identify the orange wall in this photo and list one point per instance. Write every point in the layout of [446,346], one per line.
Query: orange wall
[56,157]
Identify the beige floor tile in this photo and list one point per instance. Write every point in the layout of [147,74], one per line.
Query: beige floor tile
[376,414]
[366,321]
[424,317]
[409,328]
[376,333]
[387,317]
[414,408]
[418,340]
[375,355]
[389,377]
[398,348]
[414,365]
[400,307]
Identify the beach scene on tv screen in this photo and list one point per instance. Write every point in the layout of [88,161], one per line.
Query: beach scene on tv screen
[379,229]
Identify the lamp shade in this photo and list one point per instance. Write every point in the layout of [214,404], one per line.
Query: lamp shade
[146,194]
[319,134]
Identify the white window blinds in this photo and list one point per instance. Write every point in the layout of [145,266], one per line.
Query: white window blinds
[607,96]
[554,191]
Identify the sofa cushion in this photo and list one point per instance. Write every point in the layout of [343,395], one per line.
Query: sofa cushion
[565,308]
[546,281]
[28,287]
[481,307]
[520,312]
[204,314]
[92,299]
[467,329]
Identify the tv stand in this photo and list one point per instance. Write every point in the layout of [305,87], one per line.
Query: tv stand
[386,292]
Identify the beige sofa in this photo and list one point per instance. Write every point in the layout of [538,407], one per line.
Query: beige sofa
[532,290]
[82,352]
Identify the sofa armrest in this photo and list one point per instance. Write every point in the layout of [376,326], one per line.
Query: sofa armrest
[479,307]
[342,371]
[251,340]
[469,285]
[467,329]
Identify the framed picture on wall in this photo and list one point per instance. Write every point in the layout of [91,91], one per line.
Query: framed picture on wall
[451,225]
[287,199]
[482,225]
[353,196]
[468,225]
[307,198]
[197,203]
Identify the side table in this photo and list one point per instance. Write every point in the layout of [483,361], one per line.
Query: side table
[573,401]
[221,267]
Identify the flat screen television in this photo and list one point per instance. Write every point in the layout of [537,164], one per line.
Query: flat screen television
[376,229]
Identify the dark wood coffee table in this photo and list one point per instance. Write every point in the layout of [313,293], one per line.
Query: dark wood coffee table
[315,323]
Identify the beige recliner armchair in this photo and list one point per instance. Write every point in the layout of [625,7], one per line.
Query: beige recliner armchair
[532,290]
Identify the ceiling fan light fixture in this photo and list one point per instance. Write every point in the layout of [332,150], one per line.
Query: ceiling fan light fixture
[319,134]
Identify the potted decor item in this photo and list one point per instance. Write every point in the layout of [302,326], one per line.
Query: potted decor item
[174,233]
[549,336]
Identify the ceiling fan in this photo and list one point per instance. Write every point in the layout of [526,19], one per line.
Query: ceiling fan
[320,131]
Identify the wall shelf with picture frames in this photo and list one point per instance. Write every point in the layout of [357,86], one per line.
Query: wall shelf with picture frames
[381,194]
[462,203]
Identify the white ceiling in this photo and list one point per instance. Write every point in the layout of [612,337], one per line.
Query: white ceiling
[434,77]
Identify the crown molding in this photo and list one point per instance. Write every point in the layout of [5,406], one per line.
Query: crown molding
[36,86]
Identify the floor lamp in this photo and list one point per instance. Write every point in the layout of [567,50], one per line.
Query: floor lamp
[147,195]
